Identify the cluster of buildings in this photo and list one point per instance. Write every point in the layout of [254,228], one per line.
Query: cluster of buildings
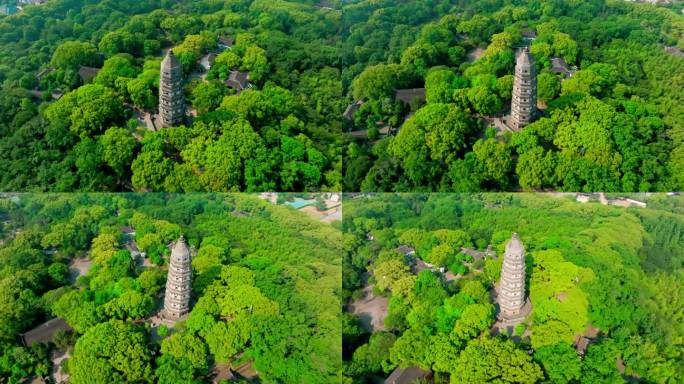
[523,99]
[514,304]
[479,255]
[510,296]
[237,80]
[176,306]
[407,96]
[172,106]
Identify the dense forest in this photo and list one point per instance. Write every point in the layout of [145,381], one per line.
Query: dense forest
[62,130]
[611,276]
[611,116]
[266,287]
[610,89]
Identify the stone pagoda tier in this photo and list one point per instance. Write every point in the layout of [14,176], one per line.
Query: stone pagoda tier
[178,282]
[513,305]
[171,98]
[524,98]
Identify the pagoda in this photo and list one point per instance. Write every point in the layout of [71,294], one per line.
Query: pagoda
[171,98]
[513,306]
[178,282]
[524,98]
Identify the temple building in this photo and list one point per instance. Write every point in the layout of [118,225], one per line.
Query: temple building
[513,306]
[524,99]
[239,81]
[171,98]
[178,282]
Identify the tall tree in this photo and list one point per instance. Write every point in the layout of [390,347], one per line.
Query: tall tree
[487,359]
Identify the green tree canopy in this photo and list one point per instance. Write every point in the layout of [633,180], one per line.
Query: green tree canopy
[72,54]
[113,352]
[488,359]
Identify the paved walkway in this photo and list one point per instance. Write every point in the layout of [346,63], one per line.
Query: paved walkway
[79,267]
[57,371]
[371,309]
[475,54]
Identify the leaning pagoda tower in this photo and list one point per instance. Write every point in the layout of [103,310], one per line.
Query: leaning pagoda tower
[511,295]
[171,98]
[178,282]
[524,98]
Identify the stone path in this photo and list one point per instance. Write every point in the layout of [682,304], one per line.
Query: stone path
[57,371]
[336,215]
[79,267]
[371,309]
[450,276]
[475,54]
[327,216]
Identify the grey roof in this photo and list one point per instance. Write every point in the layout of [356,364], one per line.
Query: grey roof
[386,130]
[131,247]
[406,376]
[408,95]
[529,33]
[180,253]
[474,253]
[325,4]
[43,72]
[238,80]
[524,58]
[419,266]
[207,61]
[559,62]
[44,332]
[170,60]
[227,41]
[558,65]
[515,247]
[351,110]
[87,73]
